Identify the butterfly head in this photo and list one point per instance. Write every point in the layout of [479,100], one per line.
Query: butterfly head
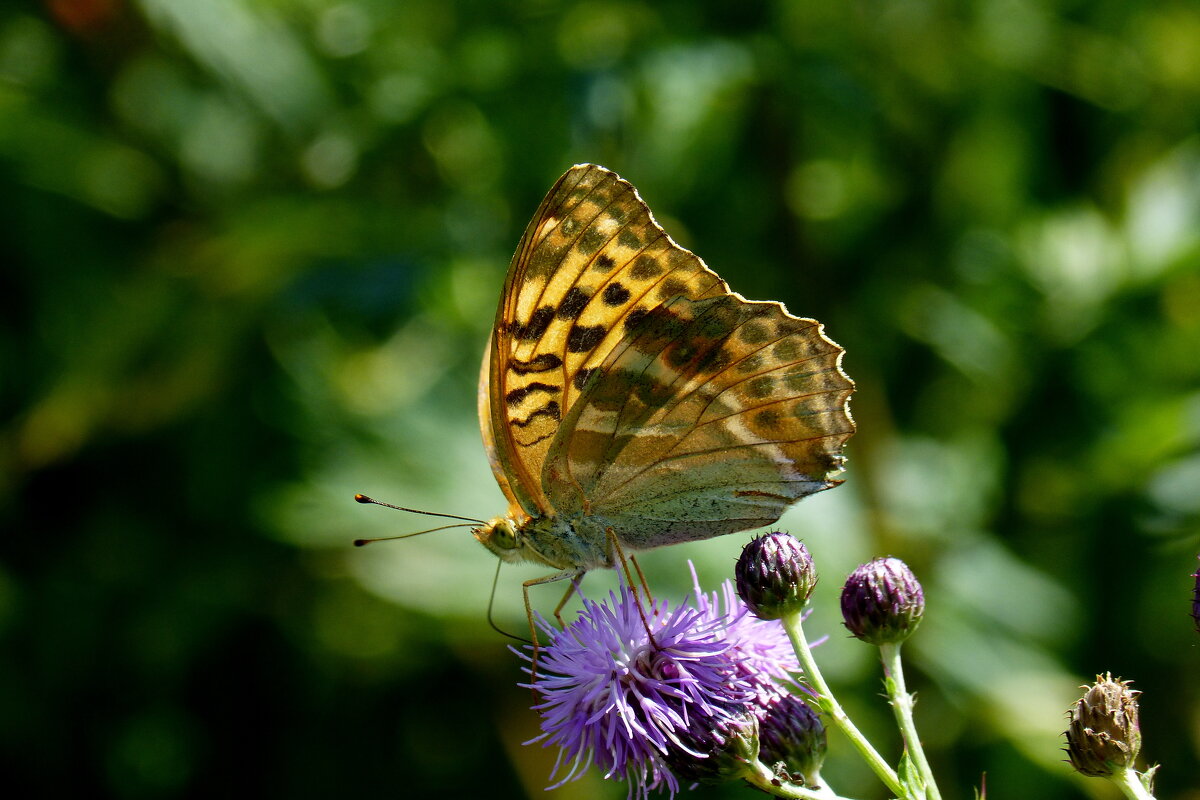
[503,537]
[542,540]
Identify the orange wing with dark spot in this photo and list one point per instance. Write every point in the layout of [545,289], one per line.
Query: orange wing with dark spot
[592,265]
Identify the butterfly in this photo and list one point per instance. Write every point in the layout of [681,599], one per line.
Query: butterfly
[630,400]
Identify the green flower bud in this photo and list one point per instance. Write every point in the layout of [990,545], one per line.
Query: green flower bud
[775,575]
[1103,734]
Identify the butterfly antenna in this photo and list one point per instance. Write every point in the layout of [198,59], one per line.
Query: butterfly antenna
[364,542]
[491,602]
[362,498]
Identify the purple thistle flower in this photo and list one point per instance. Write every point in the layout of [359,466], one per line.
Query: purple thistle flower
[765,655]
[612,697]
[680,707]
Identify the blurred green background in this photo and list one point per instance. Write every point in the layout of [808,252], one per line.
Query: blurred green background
[252,252]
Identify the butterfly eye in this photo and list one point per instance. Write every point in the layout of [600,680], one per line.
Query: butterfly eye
[504,535]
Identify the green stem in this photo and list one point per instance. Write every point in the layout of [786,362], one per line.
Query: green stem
[902,707]
[1131,785]
[761,777]
[795,631]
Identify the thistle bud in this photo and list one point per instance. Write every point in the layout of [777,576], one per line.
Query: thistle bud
[712,753]
[1196,600]
[882,602]
[793,734]
[775,575]
[1103,735]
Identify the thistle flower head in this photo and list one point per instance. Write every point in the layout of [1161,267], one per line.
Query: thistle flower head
[882,602]
[762,652]
[775,575]
[659,696]
[614,697]
[1103,735]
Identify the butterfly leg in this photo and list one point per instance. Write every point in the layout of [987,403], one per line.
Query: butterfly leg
[642,579]
[572,589]
[574,575]
[619,552]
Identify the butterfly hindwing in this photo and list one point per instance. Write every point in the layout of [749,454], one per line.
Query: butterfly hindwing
[711,416]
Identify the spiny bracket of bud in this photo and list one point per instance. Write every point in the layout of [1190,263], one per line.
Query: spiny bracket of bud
[882,601]
[1103,734]
[775,575]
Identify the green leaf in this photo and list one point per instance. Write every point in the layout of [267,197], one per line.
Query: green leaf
[910,778]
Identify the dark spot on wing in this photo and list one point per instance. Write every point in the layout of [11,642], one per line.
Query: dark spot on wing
[752,363]
[542,363]
[804,409]
[754,333]
[680,354]
[660,327]
[581,377]
[714,360]
[572,303]
[536,327]
[615,294]
[583,338]
[760,387]
[786,350]
[767,418]
[646,267]
[603,263]
[549,410]
[517,396]
[650,391]
[611,391]
[590,241]
[634,319]
[672,287]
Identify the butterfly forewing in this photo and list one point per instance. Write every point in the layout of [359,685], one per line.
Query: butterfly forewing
[499,469]
[591,265]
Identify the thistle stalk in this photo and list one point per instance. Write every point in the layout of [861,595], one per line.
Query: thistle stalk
[902,707]
[794,626]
